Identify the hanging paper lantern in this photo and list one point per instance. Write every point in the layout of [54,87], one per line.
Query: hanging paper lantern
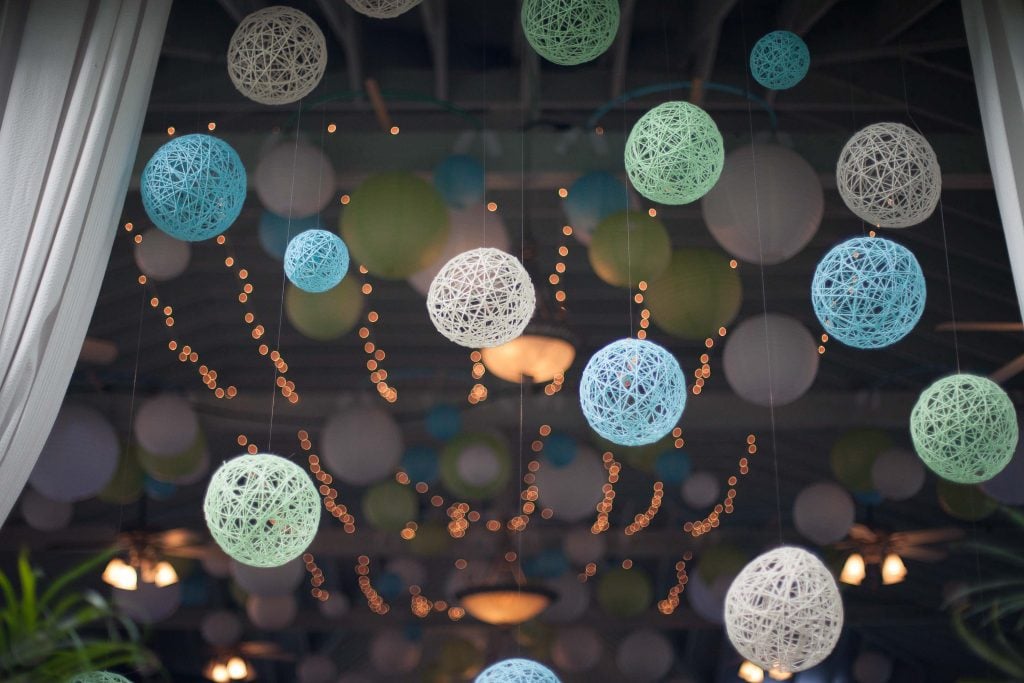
[280,580]
[583,547]
[674,153]
[160,256]
[349,437]
[475,466]
[624,593]
[392,653]
[897,474]
[707,598]
[326,315]
[316,669]
[853,457]
[315,261]
[460,180]
[149,603]
[98,677]
[481,298]
[421,464]
[868,292]
[410,571]
[644,656]
[770,359]
[222,628]
[1008,486]
[126,484]
[271,613]
[700,490]
[593,197]
[570,32]
[629,246]
[577,649]
[158,490]
[277,55]
[721,560]
[549,563]
[783,611]
[43,514]
[166,425]
[573,491]
[573,599]
[697,294]
[395,224]
[79,457]
[471,228]
[964,428]
[444,421]
[389,506]
[887,174]
[170,468]
[261,509]
[672,466]
[295,179]
[382,9]
[335,607]
[967,502]
[823,512]
[517,670]
[193,187]
[276,231]
[779,60]
[767,205]
[559,449]
[431,540]
[872,667]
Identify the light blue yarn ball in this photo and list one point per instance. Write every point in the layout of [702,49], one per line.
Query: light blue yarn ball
[632,392]
[779,60]
[193,187]
[316,260]
[593,197]
[460,180]
[517,671]
[275,233]
[868,292]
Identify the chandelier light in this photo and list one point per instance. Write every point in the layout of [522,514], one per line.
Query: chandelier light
[541,354]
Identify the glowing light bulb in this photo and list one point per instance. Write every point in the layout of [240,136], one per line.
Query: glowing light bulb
[164,574]
[893,569]
[219,673]
[120,574]
[237,669]
[853,570]
[750,672]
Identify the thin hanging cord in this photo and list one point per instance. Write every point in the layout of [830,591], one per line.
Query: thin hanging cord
[131,399]
[629,253]
[522,384]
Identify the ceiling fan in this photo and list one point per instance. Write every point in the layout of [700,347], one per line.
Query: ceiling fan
[1007,371]
[876,547]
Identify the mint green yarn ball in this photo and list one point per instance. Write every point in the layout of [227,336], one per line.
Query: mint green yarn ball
[570,32]
[98,677]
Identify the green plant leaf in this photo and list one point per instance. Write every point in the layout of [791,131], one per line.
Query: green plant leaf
[982,649]
[74,574]
[27,575]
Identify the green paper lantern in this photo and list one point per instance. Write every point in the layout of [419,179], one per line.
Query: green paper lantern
[697,294]
[325,316]
[396,224]
[964,428]
[624,592]
[964,501]
[168,468]
[126,485]
[628,247]
[570,32]
[853,455]
[388,506]
[720,560]
[460,657]
[475,466]
[431,540]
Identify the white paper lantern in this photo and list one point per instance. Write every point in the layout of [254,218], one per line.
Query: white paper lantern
[222,628]
[316,669]
[271,612]
[573,599]
[166,425]
[766,206]
[79,457]
[700,490]
[783,611]
[644,656]
[392,653]
[872,667]
[582,546]
[478,465]
[708,600]
[336,606]
[410,570]
[481,298]
[573,491]
[282,580]
[823,512]
[897,474]
[784,342]
[577,648]
[1008,486]
[216,562]
[295,180]
[149,604]
[362,445]
[43,514]
[382,9]
[469,228]
[160,256]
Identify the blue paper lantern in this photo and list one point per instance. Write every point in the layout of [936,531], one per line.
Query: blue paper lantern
[673,466]
[420,463]
[389,585]
[593,197]
[193,187]
[159,490]
[779,60]
[275,231]
[547,564]
[461,181]
[868,292]
[444,421]
[632,392]
[517,671]
[559,449]
[316,260]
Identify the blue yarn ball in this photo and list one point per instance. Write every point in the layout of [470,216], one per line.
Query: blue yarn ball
[316,260]
[632,392]
[559,449]
[193,187]
[444,421]
[275,232]
[673,466]
[593,197]
[461,181]
[868,292]
[779,60]
[420,463]
[517,671]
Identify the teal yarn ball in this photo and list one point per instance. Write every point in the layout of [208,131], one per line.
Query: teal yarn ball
[964,428]
[193,187]
[632,392]
[460,180]
[779,60]
[674,154]
[316,260]
[868,292]
[275,232]
[570,32]
[517,671]
[262,510]
[98,677]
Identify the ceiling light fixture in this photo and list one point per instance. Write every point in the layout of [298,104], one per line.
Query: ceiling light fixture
[893,569]
[505,605]
[750,672]
[142,566]
[542,353]
[234,668]
[854,570]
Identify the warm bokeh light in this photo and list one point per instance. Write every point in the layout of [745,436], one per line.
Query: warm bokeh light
[854,570]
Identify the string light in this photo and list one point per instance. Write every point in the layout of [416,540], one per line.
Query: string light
[374,354]
[373,598]
[316,578]
[478,394]
[703,373]
[704,526]
[643,520]
[337,509]
[601,524]
[671,601]
[821,346]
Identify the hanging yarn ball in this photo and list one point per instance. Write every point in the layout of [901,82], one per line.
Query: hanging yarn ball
[853,456]
[193,187]
[701,490]
[276,231]
[43,514]
[517,671]
[573,491]
[674,153]
[471,228]
[888,175]
[625,593]
[593,197]
[767,205]
[644,656]
[868,292]
[897,474]
[783,611]
[294,179]
[261,509]
[382,9]
[475,465]
[271,612]
[770,359]
[698,293]
[481,298]
[166,424]
[277,55]
[823,512]
[98,677]
[570,32]
[632,392]
[460,180]
[964,428]
[315,261]
[324,316]
[966,502]
[160,256]
[779,60]
[444,421]
[389,506]
[349,436]
[629,246]
[577,649]
[79,457]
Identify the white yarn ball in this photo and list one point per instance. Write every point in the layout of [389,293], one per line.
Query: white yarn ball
[271,612]
[872,667]
[573,491]
[222,628]
[644,656]
[392,653]
[888,175]
[43,514]
[316,669]
[149,604]
[573,599]
[166,425]
[160,256]
[766,205]
[265,581]
[362,445]
[336,606]
[79,457]
[382,9]
[823,512]
[783,611]
[215,561]
[897,474]
[789,346]
[295,180]
[577,648]
[700,490]
[469,228]
[581,546]
[481,298]
[277,55]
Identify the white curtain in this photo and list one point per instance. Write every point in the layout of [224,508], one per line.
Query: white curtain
[75,77]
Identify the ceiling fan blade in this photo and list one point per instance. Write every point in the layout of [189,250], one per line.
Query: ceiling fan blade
[97,351]
[915,552]
[1009,370]
[176,538]
[927,536]
[863,534]
[979,327]
[264,650]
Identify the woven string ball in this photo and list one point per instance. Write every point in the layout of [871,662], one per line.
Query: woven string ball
[316,260]
[277,55]
[382,9]
[481,298]
[964,428]
[98,677]
[517,671]
[674,153]
[779,60]
[868,292]
[889,176]
[783,611]
[262,510]
[632,392]
[193,187]
[570,32]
